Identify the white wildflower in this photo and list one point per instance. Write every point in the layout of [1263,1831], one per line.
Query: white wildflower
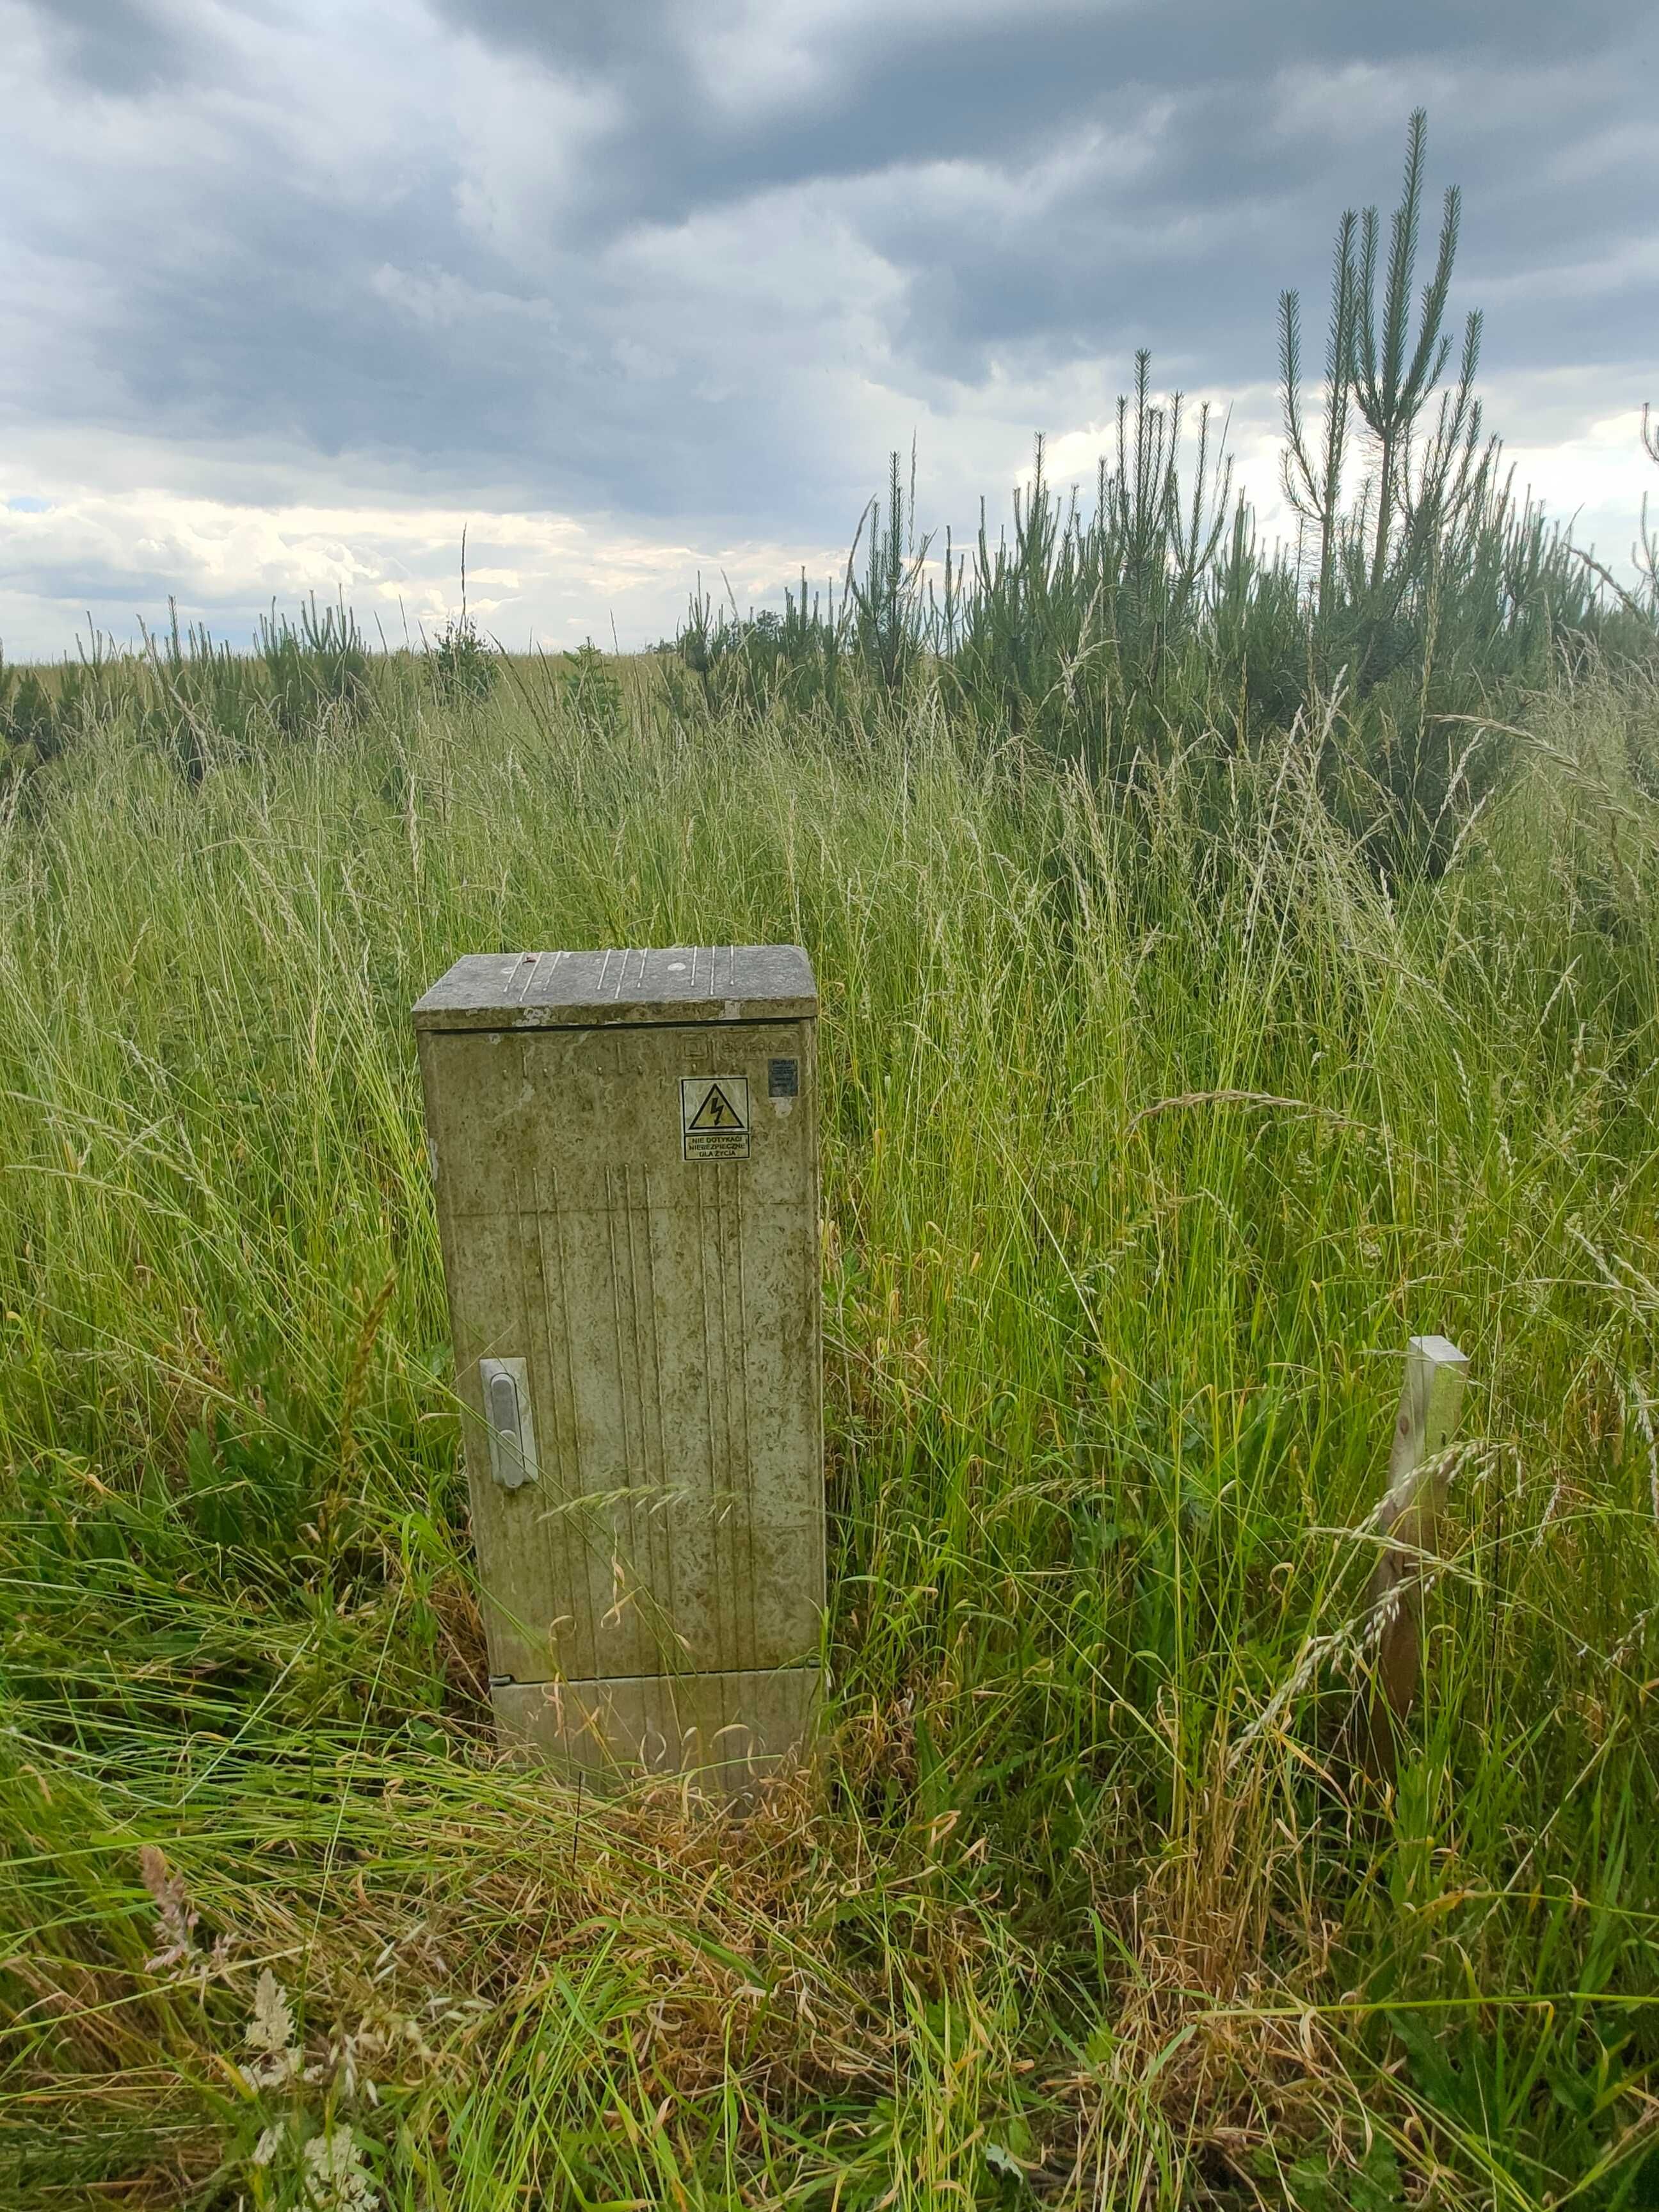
[336,2178]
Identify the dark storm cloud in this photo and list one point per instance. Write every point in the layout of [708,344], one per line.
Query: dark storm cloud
[1188,251]
[910,90]
[1184,248]
[354,355]
[1232,201]
[651,261]
[219,296]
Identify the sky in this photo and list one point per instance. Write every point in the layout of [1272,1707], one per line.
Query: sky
[635,292]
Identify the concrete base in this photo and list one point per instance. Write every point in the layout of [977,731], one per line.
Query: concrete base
[731,1730]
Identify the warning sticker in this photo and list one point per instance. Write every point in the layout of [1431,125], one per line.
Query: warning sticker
[714,1117]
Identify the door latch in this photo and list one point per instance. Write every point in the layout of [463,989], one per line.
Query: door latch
[512,1426]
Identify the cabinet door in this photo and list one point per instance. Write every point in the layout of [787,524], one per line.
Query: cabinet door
[663,1295]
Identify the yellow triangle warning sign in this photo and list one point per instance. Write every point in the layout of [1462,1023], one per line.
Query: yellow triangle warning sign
[714,1117]
[716,1112]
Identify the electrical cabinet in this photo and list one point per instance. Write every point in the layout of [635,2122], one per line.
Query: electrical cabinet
[625,1145]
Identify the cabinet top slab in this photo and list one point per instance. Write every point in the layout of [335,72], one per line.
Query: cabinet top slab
[583,990]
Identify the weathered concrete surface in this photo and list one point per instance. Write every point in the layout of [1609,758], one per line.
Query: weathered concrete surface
[736,1728]
[676,983]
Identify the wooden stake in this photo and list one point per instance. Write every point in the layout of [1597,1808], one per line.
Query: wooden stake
[1407,1520]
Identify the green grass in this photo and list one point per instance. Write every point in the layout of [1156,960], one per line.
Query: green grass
[1112,1361]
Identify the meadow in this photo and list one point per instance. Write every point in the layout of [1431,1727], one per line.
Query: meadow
[1155,1121]
[1232,965]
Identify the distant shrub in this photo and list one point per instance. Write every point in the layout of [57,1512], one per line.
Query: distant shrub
[465,665]
[28,717]
[591,694]
[209,703]
[463,662]
[203,698]
[314,668]
[740,663]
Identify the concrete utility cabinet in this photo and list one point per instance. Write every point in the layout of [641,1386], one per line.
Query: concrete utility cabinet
[627,1159]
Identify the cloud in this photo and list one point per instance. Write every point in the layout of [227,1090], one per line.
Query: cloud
[546,578]
[681,282]
[122,46]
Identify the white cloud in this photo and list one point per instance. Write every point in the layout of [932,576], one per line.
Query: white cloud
[549,578]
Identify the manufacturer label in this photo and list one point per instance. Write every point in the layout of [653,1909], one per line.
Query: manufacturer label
[714,1117]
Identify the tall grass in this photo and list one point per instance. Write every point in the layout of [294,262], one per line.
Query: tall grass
[1155,1119]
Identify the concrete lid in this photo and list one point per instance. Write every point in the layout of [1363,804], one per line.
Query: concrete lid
[581,990]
